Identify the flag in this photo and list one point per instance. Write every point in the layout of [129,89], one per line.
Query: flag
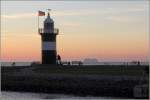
[41,13]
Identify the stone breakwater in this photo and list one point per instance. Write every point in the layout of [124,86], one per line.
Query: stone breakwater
[96,85]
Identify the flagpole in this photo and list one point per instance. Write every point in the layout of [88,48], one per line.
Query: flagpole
[38,23]
[40,13]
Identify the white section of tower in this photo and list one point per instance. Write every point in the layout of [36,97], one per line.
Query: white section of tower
[48,45]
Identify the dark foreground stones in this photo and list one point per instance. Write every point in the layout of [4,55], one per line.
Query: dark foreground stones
[96,85]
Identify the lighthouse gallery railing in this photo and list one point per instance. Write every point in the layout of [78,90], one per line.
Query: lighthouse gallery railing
[55,31]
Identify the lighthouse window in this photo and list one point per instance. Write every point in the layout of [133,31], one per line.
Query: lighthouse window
[48,25]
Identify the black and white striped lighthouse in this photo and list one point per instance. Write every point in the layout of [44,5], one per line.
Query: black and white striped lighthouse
[48,37]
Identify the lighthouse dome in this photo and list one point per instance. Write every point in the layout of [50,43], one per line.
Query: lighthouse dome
[48,19]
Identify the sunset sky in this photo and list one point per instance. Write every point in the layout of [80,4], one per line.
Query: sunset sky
[106,30]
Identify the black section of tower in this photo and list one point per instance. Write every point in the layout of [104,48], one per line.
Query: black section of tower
[48,56]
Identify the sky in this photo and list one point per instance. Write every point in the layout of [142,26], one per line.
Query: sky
[105,30]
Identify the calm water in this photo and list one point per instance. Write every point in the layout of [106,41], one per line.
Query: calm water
[40,96]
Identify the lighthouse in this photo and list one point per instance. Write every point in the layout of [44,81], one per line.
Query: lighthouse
[48,38]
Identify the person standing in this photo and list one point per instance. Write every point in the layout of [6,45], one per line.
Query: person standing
[58,59]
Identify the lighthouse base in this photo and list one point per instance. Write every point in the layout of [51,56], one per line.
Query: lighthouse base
[49,57]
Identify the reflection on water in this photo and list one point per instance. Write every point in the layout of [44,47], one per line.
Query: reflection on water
[40,96]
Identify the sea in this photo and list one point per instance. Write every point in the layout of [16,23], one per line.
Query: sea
[9,95]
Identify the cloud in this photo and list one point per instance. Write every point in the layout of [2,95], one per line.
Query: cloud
[19,16]
[124,15]
[111,12]
[121,19]
[126,9]
[55,13]
[75,13]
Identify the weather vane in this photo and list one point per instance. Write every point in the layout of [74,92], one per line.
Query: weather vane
[49,11]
